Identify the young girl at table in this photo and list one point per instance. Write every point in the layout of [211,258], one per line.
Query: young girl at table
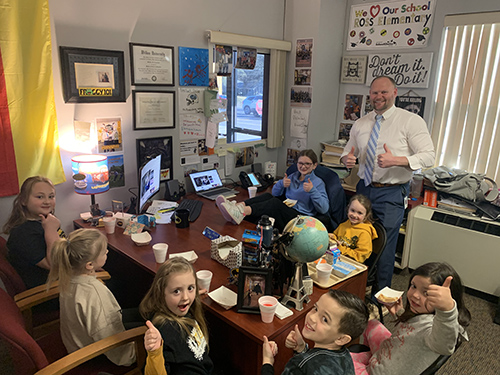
[355,235]
[89,311]
[32,229]
[302,186]
[434,320]
[174,307]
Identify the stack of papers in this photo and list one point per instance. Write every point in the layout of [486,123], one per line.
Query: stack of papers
[282,311]
[162,211]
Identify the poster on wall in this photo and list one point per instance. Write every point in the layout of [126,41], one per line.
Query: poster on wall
[353,69]
[352,107]
[223,60]
[303,53]
[193,66]
[301,96]
[407,69]
[116,171]
[413,104]
[109,134]
[397,24]
[302,77]
[191,100]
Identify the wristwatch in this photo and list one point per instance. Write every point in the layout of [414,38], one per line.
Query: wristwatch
[306,348]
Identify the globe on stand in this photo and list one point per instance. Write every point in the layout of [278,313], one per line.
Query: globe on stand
[309,242]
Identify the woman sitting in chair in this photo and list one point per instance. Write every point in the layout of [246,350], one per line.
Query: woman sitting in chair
[305,193]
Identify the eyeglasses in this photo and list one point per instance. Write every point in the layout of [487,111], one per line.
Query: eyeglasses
[300,164]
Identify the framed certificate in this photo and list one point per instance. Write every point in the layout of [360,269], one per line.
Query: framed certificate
[153,109]
[92,75]
[151,65]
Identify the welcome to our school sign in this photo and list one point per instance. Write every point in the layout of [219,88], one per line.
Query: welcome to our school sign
[398,24]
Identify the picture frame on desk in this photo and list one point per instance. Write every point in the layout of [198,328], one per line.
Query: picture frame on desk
[92,75]
[150,147]
[253,283]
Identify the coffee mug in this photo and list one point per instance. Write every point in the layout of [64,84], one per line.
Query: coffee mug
[181,218]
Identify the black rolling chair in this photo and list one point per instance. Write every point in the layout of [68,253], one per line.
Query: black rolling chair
[378,246]
[335,192]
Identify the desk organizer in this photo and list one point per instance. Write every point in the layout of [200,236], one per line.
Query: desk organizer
[359,267]
[227,251]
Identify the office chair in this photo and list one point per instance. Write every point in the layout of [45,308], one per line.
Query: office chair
[41,321]
[48,355]
[335,192]
[378,247]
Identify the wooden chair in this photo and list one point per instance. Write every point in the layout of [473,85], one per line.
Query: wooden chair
[47,355]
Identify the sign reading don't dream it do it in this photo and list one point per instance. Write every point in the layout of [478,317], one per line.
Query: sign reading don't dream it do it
[398,24]
[407,69]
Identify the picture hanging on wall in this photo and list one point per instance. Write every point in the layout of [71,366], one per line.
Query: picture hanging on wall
[352,107]
[92,75]
[151,64]
[368,105]
[344,130]
[223,60]
[302,77]
[304,53]
[109,134]
[301,96]
[148,148]
[153,109]
[246,58]
[353,69]
[116,171]
[413,104]
[193,66]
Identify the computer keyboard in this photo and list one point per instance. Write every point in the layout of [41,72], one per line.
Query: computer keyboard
[193,206]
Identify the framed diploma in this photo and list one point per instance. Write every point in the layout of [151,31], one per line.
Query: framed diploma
[153,109]
[92,75]
[151,65]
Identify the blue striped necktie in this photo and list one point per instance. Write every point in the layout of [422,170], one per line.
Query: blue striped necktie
[371,151]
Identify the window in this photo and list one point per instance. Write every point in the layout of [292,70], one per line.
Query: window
[273,93]
[467,105]
[246,92]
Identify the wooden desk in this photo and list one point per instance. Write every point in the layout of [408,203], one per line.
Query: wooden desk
[235,339]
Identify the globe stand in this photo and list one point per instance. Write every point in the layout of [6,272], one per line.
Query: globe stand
[296,292]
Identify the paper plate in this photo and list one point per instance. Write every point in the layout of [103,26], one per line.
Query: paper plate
[141,239]
[190,256]
[388,296]
[224,297]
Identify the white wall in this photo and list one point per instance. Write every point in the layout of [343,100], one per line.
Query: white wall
[111,25]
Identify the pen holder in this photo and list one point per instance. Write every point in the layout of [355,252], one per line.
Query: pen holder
[227,251]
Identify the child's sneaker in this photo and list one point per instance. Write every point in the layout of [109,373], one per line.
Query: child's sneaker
[218,201]
[231,210]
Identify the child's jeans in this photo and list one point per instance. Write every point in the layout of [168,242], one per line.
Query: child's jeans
[373,336]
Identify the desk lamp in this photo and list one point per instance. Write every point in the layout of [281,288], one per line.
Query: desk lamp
[90,177]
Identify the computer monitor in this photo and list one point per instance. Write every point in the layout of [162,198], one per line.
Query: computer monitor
[149,181]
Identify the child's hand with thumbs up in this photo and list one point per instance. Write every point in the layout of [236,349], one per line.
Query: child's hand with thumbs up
[152,338]
[439,297]
[294,340]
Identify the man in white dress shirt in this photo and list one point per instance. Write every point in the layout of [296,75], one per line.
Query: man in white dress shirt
[403,146]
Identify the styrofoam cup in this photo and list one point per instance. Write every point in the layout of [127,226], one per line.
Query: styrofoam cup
[160,251]
[323,271]
[204,279]
[252,191]
[267,306]
[109,224]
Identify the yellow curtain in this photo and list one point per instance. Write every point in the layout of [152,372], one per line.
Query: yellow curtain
[26,52]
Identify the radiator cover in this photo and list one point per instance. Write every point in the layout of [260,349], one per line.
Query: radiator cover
[470,245]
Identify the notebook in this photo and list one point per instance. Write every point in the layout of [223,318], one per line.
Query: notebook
[207,184]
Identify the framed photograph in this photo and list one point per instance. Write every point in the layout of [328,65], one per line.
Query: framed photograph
[353,69]
[151,65]
[253,283]
[153,109]
[92,75]
[148,148]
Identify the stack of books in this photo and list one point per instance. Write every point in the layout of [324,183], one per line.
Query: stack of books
[330,154]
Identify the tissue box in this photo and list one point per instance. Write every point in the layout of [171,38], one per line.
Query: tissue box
[227,251]
[342,269]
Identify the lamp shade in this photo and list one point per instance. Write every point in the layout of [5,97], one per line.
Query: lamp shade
[90,174]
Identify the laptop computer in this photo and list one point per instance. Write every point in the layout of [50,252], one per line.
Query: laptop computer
[207,184]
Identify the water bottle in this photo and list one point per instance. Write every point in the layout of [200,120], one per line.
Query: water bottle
[265,227]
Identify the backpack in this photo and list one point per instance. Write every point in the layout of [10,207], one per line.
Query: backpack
[474,187]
